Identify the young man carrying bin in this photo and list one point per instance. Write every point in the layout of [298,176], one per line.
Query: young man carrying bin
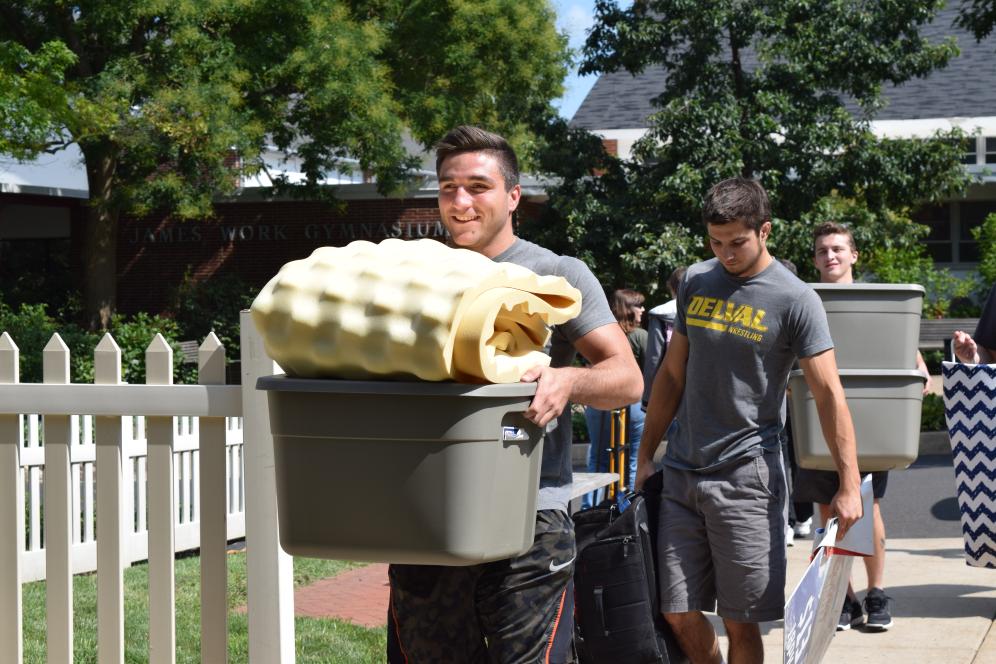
[743,319]
[519,609]
[834,255]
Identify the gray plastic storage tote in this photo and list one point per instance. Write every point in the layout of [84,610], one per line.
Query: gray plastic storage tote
[873,326]
[405,472]
[885,408]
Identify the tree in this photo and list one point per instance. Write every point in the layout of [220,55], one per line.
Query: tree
[780,90]
[978,17]
[171,103]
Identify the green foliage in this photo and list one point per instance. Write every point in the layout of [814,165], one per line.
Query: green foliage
[933,359]
[985,235]
[753,89]
[932,414]
[873,230]
[31,88]
[911,265]
[160,96]
[495,63]
[579,427]
[133,335]
[31,327]
[978,16]
[201,307]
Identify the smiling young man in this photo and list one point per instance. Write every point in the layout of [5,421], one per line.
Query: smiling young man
[834,255]
[521,609]
[743,320]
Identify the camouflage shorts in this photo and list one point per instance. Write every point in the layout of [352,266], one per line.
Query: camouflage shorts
[518,610]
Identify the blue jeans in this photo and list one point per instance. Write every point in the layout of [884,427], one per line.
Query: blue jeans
[600,434]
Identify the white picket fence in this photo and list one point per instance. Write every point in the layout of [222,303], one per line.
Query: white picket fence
[97,476]
[83,456]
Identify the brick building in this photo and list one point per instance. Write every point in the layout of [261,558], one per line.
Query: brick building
[41,229]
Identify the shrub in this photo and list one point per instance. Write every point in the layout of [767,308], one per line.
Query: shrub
[912,266]
[986,236]
[32,328]
[579,426]
[200,307]
[932,414]
[133,335]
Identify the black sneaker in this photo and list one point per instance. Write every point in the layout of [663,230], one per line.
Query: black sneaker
[877,606]
[850,615]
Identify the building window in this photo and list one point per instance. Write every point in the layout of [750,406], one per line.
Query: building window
[969,149]
[938,219]
[991,149]
[972,215]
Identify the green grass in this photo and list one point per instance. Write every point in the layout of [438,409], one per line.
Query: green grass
[317,640]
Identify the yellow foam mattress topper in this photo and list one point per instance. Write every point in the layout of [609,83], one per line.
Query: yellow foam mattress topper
[404,309]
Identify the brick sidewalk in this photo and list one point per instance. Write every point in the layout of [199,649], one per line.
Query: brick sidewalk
[358,596]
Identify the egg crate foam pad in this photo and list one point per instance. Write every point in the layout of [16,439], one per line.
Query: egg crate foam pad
[410,309]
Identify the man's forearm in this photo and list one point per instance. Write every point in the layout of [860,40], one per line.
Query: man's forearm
[612,383]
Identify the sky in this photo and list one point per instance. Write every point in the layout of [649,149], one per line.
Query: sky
[574,17]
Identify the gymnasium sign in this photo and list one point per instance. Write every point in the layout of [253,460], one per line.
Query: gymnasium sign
[200,233]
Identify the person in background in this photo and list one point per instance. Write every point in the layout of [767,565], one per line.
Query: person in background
[980,348]
[660,324]
[627,307]
[834,255]
[800,515]
[743,321]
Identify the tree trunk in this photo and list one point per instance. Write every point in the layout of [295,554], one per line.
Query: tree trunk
[100,245]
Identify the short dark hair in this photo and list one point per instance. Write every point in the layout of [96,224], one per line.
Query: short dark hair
[624,300]
[474,139]
[674,281]
[737,199]
[833,228]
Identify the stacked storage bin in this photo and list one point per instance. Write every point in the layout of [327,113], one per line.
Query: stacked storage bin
[404,472]
[875,330]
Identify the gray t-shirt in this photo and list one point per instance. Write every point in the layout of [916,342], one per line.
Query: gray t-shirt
[556,475]
[743,336]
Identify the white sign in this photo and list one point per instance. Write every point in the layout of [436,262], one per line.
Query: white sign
[812,610]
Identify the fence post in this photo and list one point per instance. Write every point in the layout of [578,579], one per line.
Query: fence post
[111,514]
[162,528]
[58,507]
[213,512]
[270,570]
[11,515]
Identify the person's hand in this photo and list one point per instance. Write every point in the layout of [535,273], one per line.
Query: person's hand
[926,384]
[644,470]
[553,389]
[846,506]
[965,347]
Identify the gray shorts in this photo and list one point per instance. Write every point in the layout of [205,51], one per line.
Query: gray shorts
[721,540]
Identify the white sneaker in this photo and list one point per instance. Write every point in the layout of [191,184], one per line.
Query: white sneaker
[803,528]
[789,536]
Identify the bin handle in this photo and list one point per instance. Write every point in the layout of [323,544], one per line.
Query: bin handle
[514,434]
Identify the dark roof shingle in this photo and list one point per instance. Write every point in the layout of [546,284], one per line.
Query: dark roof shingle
[966,87]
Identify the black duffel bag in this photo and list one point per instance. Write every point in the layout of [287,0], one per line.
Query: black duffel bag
[617,614]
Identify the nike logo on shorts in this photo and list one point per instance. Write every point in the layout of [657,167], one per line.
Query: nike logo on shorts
[556,568]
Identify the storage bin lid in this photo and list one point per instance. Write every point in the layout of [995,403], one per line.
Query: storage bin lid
[283,383]
[875,288]
[870,373]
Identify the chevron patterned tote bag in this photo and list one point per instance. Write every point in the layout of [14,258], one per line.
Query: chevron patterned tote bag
[970,411]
